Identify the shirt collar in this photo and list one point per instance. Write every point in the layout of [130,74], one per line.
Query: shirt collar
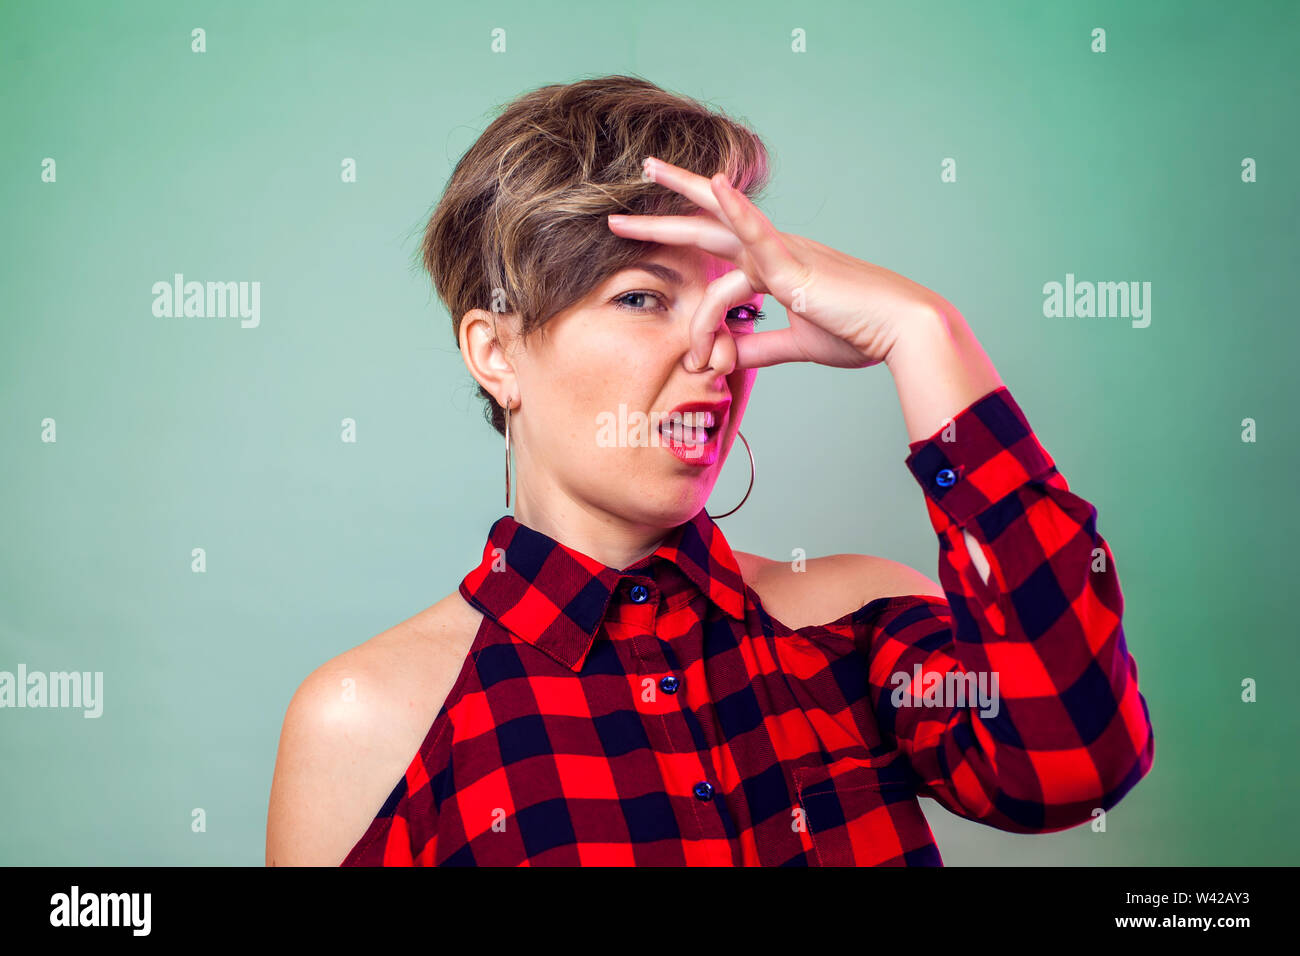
[556,598]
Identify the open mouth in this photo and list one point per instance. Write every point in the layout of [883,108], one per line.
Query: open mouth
[690,428]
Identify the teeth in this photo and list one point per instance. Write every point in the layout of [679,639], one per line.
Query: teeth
[682,433]
[702,419]
[689,427]
[697,436]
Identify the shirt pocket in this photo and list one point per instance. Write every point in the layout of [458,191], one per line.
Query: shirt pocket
[861,811]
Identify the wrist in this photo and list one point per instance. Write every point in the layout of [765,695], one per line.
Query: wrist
[939,368]
[925,331]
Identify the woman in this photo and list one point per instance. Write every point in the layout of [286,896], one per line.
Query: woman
[612,684]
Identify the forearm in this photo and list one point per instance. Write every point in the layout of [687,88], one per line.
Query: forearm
[939,368]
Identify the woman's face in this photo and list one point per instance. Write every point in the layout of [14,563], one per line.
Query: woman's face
[627,344]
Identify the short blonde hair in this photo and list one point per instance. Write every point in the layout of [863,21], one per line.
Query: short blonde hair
[524,210]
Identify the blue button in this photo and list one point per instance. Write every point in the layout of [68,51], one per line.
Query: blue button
[639,593]
[669,684]
[704,790]
[946,478]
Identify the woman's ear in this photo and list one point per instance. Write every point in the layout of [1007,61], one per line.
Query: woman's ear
[486,339]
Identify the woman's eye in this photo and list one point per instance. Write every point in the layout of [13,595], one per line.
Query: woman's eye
[635,295]
[754,315]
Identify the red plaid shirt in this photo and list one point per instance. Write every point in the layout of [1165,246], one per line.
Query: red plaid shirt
[658,715]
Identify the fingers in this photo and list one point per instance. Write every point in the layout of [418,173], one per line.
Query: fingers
[693,187]
[761,349]
[707,234]
[719,296]
[776,264]
[736,229]
[739,227]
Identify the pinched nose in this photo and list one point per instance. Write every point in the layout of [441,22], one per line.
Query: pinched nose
[721,360]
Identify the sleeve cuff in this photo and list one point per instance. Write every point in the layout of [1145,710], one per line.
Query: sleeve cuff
[984,454]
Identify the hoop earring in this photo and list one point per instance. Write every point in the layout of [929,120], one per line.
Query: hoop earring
[507,453]
[751,481]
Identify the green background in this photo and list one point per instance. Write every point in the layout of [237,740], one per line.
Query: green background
[183,433]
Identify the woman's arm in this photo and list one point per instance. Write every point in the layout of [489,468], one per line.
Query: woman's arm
[1052,727]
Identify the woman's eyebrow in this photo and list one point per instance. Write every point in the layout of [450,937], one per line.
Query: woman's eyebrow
[659,271]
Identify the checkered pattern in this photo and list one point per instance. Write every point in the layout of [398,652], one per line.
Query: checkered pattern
[658,715]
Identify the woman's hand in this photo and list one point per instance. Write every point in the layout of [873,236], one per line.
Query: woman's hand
[844,312]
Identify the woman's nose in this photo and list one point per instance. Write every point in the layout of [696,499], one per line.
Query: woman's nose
[721,359]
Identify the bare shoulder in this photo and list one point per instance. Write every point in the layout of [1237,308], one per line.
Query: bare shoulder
[352,728]
[828,587]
